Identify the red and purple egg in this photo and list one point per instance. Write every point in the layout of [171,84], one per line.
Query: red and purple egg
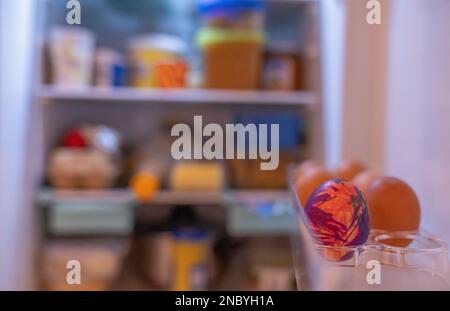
[338,217]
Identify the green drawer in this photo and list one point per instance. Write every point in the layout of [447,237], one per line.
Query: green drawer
[76,218]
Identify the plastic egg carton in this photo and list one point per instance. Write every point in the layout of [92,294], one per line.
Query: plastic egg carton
[421,263]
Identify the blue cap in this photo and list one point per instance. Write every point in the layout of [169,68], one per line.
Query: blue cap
[205,6]
[190,233]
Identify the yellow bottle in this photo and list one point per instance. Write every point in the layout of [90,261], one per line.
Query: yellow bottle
[191,260]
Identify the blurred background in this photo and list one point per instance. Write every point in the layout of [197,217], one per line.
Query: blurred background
[86,112]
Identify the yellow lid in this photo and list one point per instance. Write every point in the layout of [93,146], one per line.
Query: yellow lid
[207,36]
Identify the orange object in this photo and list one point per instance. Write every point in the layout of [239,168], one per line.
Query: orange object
[171,74]
[232,58]
[364,179]
[310,181]
[149,50]
[347,170]
[304,167]
[191,256]
[145,186]
[393,206]
[233,65]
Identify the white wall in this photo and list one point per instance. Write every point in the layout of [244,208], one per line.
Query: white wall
[364,86]
[418,116]
[17,30]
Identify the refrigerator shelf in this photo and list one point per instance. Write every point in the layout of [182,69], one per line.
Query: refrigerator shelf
[52,94]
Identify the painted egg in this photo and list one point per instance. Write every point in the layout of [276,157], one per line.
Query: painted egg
[338,217]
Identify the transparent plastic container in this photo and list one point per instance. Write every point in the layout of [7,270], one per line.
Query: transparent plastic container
[374,266]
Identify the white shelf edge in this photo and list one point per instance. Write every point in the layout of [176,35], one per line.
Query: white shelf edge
[52,94]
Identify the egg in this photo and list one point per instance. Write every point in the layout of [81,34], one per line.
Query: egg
[310,180]
[347,170]
[364,179]
[393,205]
[338,217]
[304,167]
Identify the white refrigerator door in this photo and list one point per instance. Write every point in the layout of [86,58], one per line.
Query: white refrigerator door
[17,34]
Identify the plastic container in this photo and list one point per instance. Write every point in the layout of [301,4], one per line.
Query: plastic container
[282,67]
[172,74]
[149,51]
[72,168]
[231,59]
[192,259]
[110,68]
[157,258]
[374,266]
[258,216]
[233,14]
[90,218]
[197,176]
[72,53]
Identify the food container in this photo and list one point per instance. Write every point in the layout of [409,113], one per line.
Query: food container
[232,59]
[179,260]
[109,68]
[267,214]
[71,168]
[192,257]
[422,265]
[148,51]
[87,218]
[157,258]
[233,14]
[172,74]
[100,262]
[69,214]
[197,176]
[72,52]
[282,67]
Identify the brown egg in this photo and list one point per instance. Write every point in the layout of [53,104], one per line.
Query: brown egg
[364,179]
[347,170]
[310,181]
[304,167]
[393,206]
